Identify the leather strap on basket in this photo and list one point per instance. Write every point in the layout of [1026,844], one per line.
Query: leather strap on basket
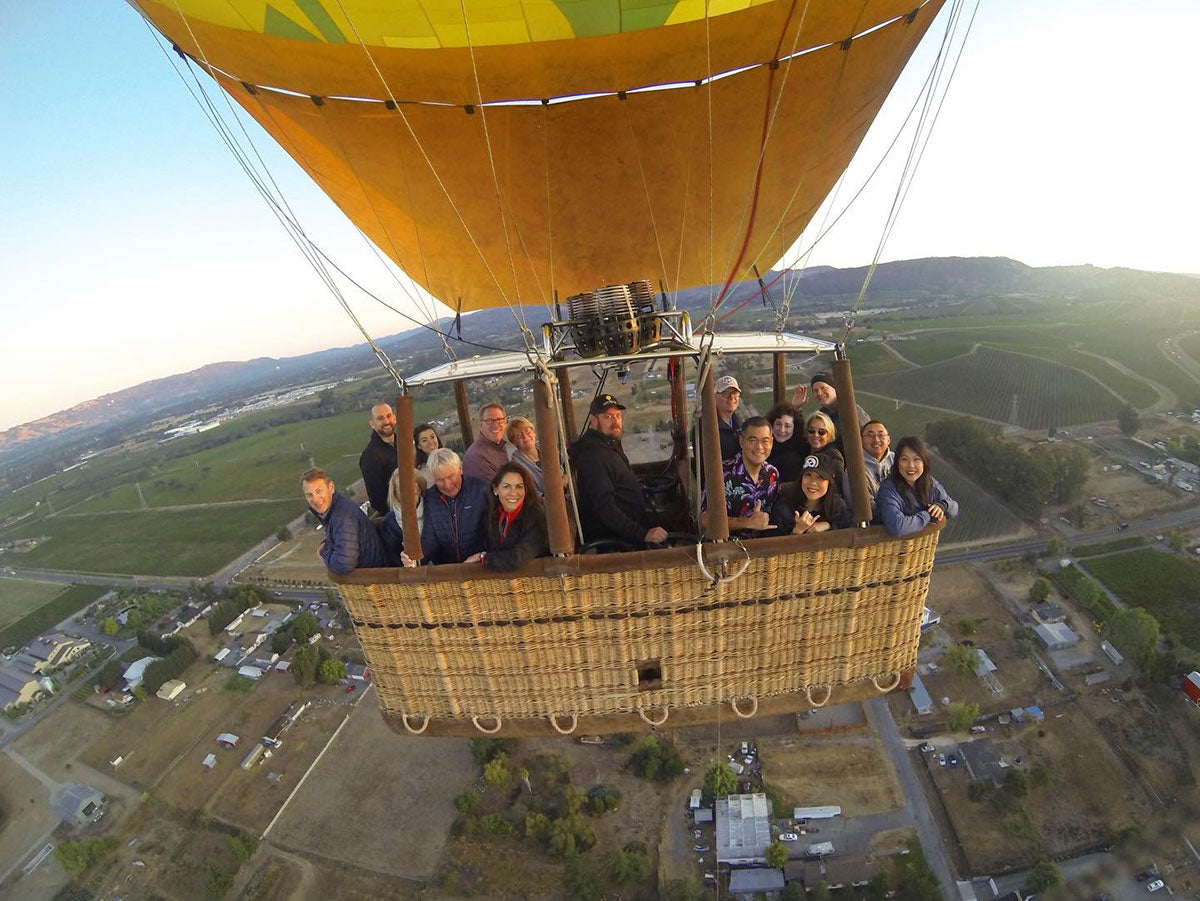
[733,703]
[828,694]
[666,711]
[424,724]
[557,728]
[492,731]
[879,688]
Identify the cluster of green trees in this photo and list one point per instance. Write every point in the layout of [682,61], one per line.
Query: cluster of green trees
[220,878]
[159,644]
[1007,797]
[312,663]
[299,630]
[244,597]
[1026,479]
[169,667]
[655,758]
[79,857]
[1084,591]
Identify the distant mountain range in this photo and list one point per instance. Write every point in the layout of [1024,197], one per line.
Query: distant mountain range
[913,281]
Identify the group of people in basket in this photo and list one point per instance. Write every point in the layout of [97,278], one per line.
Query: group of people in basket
[783,473]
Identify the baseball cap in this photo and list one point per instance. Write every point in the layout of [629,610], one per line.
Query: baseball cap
[604,402]
[824,466]
[725,382]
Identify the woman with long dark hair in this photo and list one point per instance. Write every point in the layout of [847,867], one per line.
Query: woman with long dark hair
[788,449]
[516,526]
[426,440]
[910,498]
[821,508]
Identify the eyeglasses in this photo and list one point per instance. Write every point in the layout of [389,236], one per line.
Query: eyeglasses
[494,421]
[818,432]
[758,442]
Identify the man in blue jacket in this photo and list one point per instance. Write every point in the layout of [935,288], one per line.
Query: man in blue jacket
[456,509]
[351,542]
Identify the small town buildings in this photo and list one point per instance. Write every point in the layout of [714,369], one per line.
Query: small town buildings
[274,736]
[209,761]
[1048,613]
[80,804]
[983,663]
[755,880]
[929,619]
[250,672]
[1055,636]
[360,673]
[919,695]
[221,655]
[19,684]
[694,800]
[136,671]
[54,651]
[743,829]
[702,815]
[171,689]
[253,757]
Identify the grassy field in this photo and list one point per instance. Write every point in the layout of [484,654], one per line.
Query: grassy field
[985,382]
[1111,339]
[869,359]
[980,516]
[18,597]
[1166,585]
[49,614]
[1191,345]
[153,542]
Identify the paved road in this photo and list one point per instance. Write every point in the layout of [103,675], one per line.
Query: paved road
[880,718]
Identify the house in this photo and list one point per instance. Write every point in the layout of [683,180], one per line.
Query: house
[848,871]
[80,804]
[221,655]
[754,880]
[19,684]
[135,672]
[919,695]
[171,689]
[1055,636]
[743,829]
[253,673]
[228,740]
[1035,714]
[361,673]
[929,619]
[54,651]
[1048,613]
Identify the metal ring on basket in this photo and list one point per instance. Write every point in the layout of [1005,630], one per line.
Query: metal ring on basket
[828,694]
[733,703]
[879,688]
[492,731]
[561,731]
[666,711]
[408,728]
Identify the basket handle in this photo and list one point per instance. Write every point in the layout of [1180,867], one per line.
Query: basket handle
[824,701]
[733,703]
[492,731]
[557,728]
[424,723]
[880,688]
[666,711]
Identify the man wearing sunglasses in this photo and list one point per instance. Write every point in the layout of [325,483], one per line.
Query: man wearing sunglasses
[826,395]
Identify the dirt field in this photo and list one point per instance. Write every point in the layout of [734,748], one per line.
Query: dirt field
[295,560]
[853,774]
[28,817]
[1130,497]
[19,596]
[277,875]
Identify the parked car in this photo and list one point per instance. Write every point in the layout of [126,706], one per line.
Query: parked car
[695,833]
[1155,885]
[941,760]
[978,729]
[1122,527]
[927,747]
[349,688]
[789,837]
[952,760]
[700,848]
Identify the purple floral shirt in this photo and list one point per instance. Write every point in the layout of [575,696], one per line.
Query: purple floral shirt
[742,492]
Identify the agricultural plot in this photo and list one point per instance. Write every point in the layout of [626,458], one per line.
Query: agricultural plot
[1111,340]
[869,359]
[1166,585]
[19,597]
[1133,390]
[925,349]
[980,516]
[154,542]
[993,384]
[49,614]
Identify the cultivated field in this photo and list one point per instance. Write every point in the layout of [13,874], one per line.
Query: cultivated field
[19,597]
[984,383]
[1167,585]
[981,517]
[49,613]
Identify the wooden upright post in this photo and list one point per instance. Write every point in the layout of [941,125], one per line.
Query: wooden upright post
[779,382]
[558,524]
[678,407]
[568,405]
[851,434]
[464,413]
[406,465]
[716,516]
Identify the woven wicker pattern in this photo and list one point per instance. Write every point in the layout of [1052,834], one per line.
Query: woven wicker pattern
[543,645]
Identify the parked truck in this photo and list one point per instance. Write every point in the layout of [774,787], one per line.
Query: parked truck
[819,849]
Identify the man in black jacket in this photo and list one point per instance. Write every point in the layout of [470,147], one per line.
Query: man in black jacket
[378,460]
[611,503]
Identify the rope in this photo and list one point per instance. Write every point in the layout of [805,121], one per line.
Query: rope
[828,694]
[714,581]
[879,688]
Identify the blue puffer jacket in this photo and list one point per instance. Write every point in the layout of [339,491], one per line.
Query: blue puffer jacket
[351,542]
[455,527]
[900,511]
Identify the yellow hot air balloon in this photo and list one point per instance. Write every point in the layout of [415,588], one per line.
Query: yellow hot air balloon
[511,151]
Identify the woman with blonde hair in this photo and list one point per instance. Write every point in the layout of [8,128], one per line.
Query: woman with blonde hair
[391,529]
[522,436]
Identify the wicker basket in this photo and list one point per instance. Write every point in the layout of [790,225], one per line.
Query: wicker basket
[614,642]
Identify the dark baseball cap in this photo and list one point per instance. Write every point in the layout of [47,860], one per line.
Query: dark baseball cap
[604,402]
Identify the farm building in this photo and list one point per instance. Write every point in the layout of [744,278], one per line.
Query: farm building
[274,736]
[228,740]
[702,815]
[171,689]
[361,673]
[1191,687]
[250,672]
[1113,654]
[209,761]
[1048,613]
[694,800]
[829,811]
[1055,636]
[253,757]
[54,651]
[19,684]
[221,655]
[983,663]
[135,672]
[920,696]
[81,804]
[754,880]
[743,829]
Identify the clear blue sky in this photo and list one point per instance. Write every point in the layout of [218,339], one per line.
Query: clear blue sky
[132,247]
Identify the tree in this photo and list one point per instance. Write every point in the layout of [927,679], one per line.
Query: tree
[793,891]
[1054,547]
[283,533]
[961,659]
[630,864]
[961,714]
[304,665]
[281,641]
[523,775]
[1128,420]
[496,771]
[820,892]
[912,876]
[484,749]
[110,675]
[332,671]
[579,881]
[776,854]
[1044,875]
[1134,632]
[304,627]
[1040,590]
[109,627]
[603,798]
[966,626]
[654,758]
[467,802]
[720,781]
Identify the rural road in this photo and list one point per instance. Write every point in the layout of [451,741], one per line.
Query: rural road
[1180,357]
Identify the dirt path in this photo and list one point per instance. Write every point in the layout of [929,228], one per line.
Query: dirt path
[899,356]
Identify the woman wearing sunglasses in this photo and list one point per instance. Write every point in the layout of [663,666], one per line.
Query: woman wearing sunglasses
[820,436]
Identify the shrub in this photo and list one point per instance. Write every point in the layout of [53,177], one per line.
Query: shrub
[961,660]
[496,824]
[603,798]
[966,626]
[977,790]
[961,715]
[79,857]
[496,772]
[332,671]
[719,781]
[484,749]
[655,759]
[467,802]
[630,864]
[239,684]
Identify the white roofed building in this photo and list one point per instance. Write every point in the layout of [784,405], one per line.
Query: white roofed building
[743,829]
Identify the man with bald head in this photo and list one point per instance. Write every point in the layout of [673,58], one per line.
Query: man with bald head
[378,460]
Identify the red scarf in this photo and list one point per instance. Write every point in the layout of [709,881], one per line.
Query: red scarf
[506,519]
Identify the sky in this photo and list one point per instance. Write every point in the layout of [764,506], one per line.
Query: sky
[132,246]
